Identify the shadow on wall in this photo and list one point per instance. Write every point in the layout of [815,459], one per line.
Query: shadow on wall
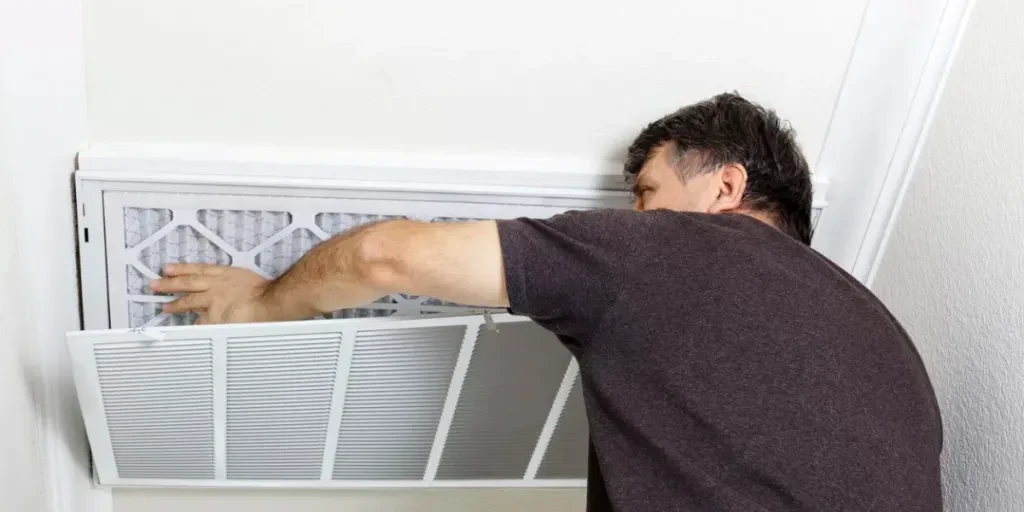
[391,500]
[65,416]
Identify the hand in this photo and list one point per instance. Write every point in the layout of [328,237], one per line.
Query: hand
[217,293]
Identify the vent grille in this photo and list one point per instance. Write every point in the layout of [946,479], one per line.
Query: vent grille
[372,402]
[279,392]
[159,408]
[566,455]
[506,397]
[396,391]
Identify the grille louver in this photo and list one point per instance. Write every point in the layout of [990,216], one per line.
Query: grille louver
[508,392]
[359,402]
[278,402]
[159,408]
[396,391]
[566,456]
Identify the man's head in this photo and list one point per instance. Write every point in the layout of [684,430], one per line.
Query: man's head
[723,155]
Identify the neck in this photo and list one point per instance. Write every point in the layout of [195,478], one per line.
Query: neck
[761,216]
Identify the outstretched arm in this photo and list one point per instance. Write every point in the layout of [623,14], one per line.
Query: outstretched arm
[457,262]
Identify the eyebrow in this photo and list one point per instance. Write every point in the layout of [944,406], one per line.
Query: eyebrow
[639,184]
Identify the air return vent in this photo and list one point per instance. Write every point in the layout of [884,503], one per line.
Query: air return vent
[407,391]
[375,402]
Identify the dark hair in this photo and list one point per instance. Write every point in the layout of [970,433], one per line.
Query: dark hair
[728,129]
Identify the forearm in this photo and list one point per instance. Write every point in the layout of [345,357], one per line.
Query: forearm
[455,262]
[342,272]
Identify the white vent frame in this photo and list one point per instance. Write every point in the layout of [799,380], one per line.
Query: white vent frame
[88,382]
[103,195]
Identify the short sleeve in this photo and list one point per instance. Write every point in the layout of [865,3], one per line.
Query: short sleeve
[565,271]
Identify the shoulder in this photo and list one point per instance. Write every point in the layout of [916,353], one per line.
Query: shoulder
[623,230]
[597,224]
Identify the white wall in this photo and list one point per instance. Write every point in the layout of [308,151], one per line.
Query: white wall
[21,450]
[953,271]
[42,126]
[567,78]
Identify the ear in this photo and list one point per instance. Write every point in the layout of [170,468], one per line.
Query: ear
[732,184]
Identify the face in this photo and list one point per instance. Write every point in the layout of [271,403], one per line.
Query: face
[659,186]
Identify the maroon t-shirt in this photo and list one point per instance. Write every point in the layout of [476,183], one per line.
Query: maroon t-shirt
[727,367]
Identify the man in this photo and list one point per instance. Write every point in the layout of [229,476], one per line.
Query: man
[726,366]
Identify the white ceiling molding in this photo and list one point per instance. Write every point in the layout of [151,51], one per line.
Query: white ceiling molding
[330,164]
[329,169]
[895,77]
[265,166]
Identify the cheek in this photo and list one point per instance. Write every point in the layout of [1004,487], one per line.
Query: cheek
[695,196]
[699,194]
[674,197]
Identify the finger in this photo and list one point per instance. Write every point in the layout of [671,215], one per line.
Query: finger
[187,304]
[181,284]
[184,269]
[200,319]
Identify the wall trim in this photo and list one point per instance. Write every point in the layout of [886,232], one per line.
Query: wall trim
[209,160]
[894,79]
[908,152]
[333,169]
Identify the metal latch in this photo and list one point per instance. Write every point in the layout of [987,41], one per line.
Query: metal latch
[489,322]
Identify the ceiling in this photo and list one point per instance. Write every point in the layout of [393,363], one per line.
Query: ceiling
[567,79]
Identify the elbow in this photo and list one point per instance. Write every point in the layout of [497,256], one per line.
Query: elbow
[377,259]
